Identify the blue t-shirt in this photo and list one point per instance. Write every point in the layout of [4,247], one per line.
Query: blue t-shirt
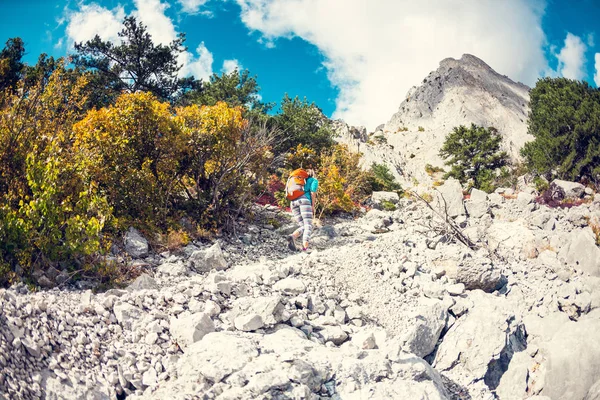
[311,186]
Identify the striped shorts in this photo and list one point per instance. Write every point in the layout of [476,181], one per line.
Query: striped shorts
[303,214]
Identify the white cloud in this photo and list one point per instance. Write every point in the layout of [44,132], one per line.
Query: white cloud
[230,66]
[191,6]
[200,67]
[597,74]
[152,14]
[376,50]
[93,19]
[571,59]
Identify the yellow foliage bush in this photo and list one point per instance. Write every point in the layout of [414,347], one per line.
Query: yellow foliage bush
[50,210]
[133,150]
[226,158]
[301,157]
[342,183]
[70,181]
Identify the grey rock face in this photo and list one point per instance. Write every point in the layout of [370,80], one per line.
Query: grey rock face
[248,323]
[479,274]
[378,197]
[566,190]
[480,344]
[582,252]
[206,260]
[449,198]
[143,282]
[191,328]
[135,244]
[425,327]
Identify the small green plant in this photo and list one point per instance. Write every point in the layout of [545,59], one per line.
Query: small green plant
[541,184]
[596,229]
[427,197]
[430,169]
[274,222]
[404,129]
[421,129]
[282,201]
[382,179]
[380,139]
[388,205]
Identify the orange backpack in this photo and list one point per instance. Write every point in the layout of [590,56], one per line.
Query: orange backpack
[294,187]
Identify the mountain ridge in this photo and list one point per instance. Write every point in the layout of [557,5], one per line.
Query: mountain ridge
[459,92]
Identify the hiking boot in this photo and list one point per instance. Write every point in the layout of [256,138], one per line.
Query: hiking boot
[292,243]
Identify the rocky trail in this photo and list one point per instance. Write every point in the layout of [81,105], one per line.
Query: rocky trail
[383,307]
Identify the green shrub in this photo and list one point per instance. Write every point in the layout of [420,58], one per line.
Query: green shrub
[381,179]
[430,169]
[473,155]
[380,139]
[421,129]
[565,122]
[541,184]
[52,212]
[388,205]
[134,150]
[302,123]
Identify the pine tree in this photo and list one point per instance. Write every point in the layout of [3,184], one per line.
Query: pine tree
[565,121]
[473,153]
[136,64]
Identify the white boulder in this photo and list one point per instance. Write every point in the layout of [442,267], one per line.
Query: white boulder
[135,244]
[190,328]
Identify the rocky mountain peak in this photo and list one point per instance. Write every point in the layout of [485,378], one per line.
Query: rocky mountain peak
[465,61]
[459,92]
[459,80]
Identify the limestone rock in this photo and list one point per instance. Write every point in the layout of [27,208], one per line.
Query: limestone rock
[143,282]
[582,252]
[480,341]
[572,359]
[173,269]
[364,340]
[126,314]
[449,198]
[334,334]
[425,327]
[291,286]
[207,260]
[248,323]
[479,274]
[566,190]
[188,329]
[377,198]
[270,309]
[135,244]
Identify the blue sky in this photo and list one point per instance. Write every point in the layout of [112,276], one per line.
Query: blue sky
[355,58]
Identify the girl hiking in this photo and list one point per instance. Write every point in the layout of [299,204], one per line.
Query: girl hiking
[301,189]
